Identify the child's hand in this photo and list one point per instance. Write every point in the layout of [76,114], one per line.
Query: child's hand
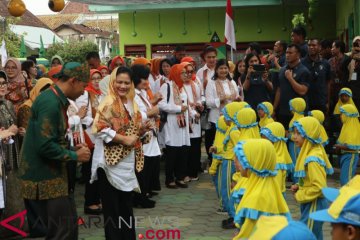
[233,183]
[294,188]
[212,149]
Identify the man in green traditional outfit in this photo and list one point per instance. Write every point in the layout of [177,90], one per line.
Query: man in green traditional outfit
[47,159]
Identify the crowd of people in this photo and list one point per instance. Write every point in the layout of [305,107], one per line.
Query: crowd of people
[266,120]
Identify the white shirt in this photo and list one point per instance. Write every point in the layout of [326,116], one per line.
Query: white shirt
[200,74]
[213,100]
[196,127]
[158,83]
[122,175]
[152,148]
[84,100]
[152,82]
[174,135]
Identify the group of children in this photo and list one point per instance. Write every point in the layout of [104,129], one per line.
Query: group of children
[250,164]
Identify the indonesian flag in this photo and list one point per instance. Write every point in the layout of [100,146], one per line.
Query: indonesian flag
[229,26]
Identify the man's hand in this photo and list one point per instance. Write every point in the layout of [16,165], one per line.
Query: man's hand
[22,131]
[289,74]
[83,153]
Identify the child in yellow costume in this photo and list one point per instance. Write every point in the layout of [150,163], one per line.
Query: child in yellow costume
[214,169]
[227,152]
[256,160]
[311,168]
[297,107]
[319,115]
[265,111]
[345,97]
[248,127]
[275,132]
[348,142]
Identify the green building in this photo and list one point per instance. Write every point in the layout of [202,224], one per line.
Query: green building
[154,29]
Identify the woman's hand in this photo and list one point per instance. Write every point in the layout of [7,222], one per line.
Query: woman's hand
[145,127]
[152,112]
[184,108]
[265,76]
[5,134]
[14,129]
[129,140]
[82,112]
[157,98]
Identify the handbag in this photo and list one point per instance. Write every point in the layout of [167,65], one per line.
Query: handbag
[204,119]
[163,114]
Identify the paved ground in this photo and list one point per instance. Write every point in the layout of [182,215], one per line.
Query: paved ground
[190,210]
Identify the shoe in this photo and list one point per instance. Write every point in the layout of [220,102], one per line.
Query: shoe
[144,202]
[187,179]
[230,225]
[221,212]
[181,184]
[90,211]
[194,179]
[227,221]
[151,194]
[171,185]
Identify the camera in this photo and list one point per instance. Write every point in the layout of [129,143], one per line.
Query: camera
[259,67]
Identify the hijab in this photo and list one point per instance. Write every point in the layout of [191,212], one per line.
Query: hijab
[57,57]
[19,78]
[36,91]
[312,150]
[221,128]
[275,132]
[114,60]
[350,131]
[346,91]
[245,120]
[319,115]
[268,109]
[90,86]
[297,107]
[263,195]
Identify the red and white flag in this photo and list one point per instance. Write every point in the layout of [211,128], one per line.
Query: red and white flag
[229,26]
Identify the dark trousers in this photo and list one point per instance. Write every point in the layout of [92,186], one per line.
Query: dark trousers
[209,139]
[193,164]
[284,120]
[92,196]
[35,212]
[151,174]
[58,215]
[119,221]
[176,159]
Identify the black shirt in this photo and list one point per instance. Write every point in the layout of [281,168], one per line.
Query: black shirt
[318,89]
[304,49]
[257,92]
[302,75]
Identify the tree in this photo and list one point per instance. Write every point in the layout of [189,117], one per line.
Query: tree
[71,52]
[11,39]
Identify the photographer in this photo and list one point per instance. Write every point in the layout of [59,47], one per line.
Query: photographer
[352,73]
[257,87]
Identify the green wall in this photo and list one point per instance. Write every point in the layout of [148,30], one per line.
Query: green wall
[344,10]
[271,20]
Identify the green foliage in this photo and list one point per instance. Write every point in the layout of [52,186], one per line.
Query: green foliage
[74,51]
[11,39]
[298,19]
